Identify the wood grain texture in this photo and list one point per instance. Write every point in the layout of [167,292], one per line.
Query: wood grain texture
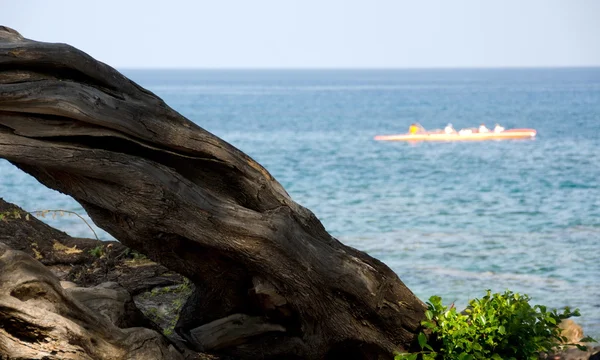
[190,201]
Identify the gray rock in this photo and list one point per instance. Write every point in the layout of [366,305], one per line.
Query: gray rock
[113,302]
[162,305]
[592,353]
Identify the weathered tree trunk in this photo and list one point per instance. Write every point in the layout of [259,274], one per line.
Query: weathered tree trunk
[192,202]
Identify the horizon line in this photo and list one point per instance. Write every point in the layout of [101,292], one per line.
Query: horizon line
[342,68]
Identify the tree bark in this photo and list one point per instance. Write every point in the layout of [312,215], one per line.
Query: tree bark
[41,320]
[197,205]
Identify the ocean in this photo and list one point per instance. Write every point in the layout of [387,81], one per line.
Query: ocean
[452,219]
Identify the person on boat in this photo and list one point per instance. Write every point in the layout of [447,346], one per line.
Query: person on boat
[414,128]
[483,129]
[449,129]
[498,128]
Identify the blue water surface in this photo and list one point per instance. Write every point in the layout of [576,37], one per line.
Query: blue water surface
[451,219]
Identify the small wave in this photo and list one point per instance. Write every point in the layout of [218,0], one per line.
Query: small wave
[465,274]
[574,185]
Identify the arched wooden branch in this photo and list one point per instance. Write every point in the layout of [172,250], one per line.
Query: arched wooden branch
[192,202]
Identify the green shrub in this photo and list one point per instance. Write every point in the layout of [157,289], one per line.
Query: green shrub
[98,251]
[497,326]
[137,256]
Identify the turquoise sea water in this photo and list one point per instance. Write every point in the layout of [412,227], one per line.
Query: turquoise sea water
[451,219]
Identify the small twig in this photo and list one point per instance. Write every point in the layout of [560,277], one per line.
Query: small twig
[123,253]
[43,212]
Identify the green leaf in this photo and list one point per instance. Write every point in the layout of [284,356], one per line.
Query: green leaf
[413,357]
[428,324]
[501,330]
[435,300]
[428,315]
[422,340]
[465,356]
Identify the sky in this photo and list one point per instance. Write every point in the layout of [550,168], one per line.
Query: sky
[317,33]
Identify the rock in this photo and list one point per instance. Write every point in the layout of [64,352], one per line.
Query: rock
[574,354]
[163,305]
[114,303]
[41,320]
[571,331]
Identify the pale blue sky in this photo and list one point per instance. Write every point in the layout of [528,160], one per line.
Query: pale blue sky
[317,33]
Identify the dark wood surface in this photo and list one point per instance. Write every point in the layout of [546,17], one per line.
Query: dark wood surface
[190,201]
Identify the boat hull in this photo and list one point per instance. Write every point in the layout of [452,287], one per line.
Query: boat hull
[505,135]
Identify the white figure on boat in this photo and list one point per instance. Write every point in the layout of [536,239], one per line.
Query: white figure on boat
[498,129]
[449,129]
[415,128]
[483,129]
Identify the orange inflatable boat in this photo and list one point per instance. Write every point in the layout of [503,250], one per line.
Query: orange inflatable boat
[461,136]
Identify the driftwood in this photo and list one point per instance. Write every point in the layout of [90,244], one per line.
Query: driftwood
[41,320]
[197,205]
[230,330]
[103,282]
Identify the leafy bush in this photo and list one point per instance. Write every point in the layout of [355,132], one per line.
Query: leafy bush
[137,256]
[98,251]
[497,326]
